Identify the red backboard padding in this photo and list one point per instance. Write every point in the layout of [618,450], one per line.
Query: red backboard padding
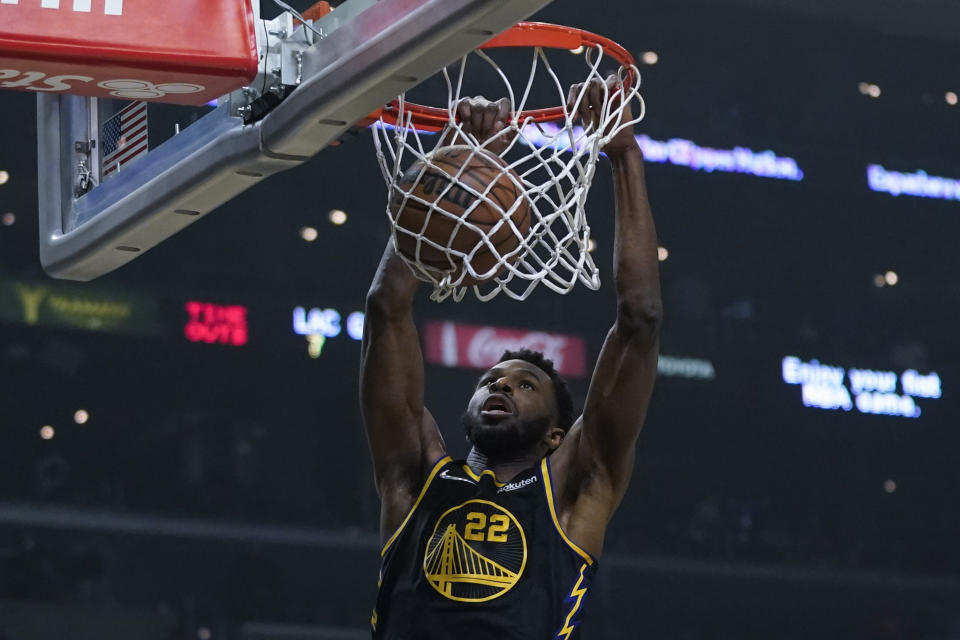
[180,51]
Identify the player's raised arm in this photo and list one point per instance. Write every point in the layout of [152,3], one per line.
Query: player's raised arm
[602,453]
[403,436]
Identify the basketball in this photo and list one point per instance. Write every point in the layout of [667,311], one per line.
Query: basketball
[455,210]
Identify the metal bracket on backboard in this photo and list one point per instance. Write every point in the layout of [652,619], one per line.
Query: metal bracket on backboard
[358,66]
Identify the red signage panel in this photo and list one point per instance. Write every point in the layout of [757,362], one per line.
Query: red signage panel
[480,347]
[216,324]
[179,51]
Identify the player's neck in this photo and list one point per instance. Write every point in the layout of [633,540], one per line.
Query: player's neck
[504,469]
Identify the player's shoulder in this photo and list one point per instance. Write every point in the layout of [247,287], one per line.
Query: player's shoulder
[578,475]
[446,468]
[455,470]
[568,455]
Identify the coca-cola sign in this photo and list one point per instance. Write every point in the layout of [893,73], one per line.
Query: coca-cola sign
[480,347]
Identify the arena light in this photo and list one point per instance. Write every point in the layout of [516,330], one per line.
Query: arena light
[662,254]
[951,98]
[650,57]
[9,218]
[338,216]
[879,281]
[577,51]
[591,245]
[863,87]
[81,416]
[309,234]
[891,278]
[47,432]
[4,177]
[890,485]
[873,91]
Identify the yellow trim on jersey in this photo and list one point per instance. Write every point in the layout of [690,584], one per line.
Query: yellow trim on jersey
[470,473]
[426,485]
[548,488]
[578,593]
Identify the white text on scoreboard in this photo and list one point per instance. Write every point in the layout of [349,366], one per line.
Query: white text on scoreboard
[918,183]
[825,386]
[683,153]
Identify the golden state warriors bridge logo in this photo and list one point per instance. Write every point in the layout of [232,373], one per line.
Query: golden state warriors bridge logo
[477,552]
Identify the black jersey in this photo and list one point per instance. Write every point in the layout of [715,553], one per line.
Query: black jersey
[476,559]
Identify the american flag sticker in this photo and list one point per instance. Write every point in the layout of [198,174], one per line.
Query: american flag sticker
[123,137]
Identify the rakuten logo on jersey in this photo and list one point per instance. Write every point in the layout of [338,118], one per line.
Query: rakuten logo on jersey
[513,486]
[477,347]
[110,7]
[121,88]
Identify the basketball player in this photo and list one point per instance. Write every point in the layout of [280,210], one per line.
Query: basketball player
[505,544]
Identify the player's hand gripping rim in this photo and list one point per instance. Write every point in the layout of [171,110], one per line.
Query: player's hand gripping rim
[585,102]
[487,121]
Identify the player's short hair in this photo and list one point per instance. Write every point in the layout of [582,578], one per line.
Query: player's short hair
[560,390]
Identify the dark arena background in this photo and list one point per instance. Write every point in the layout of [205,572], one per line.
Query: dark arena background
[181,454]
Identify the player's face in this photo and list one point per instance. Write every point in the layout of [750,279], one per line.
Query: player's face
[512,408]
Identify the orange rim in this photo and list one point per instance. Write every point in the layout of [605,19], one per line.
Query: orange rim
[522,34]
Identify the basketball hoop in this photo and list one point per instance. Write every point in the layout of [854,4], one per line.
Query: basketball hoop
[554,158]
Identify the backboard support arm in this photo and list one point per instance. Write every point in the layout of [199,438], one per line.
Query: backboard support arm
[357,67]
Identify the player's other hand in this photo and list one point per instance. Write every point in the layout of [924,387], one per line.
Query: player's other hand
[486,120]
[589,107]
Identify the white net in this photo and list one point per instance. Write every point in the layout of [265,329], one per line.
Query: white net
[551,166]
